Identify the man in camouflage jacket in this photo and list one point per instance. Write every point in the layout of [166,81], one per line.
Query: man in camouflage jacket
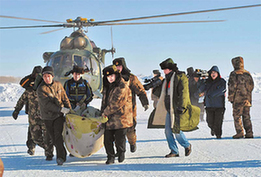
[36,130]
[136,89]
[36,124]
[117,106]
[240,87]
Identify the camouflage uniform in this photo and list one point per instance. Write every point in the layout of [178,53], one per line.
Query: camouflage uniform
[136,89]
[117,106]
[240,87]
[36,125]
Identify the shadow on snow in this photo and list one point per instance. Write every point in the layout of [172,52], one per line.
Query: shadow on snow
[20,162]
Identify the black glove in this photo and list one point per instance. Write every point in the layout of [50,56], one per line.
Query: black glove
[180,110]
[15,114]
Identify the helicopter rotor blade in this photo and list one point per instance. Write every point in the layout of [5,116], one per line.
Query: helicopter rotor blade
[36,26]
[51,31]
[176,14]
[171,22]
[21,18]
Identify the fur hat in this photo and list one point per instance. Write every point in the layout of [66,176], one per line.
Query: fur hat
[109,70]
[121,61]
[77,69]
[238,63]
[36,70]
[168,64]
[190,71]
[48,70]
[194,74]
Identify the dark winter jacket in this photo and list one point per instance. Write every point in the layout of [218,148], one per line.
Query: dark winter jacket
[214,90]
[184,116]
[240,84]
[78,91]
[117,104]
[51,100]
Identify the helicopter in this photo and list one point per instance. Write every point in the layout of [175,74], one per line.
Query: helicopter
[78,49]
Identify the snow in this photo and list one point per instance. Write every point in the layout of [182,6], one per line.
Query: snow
[209,157]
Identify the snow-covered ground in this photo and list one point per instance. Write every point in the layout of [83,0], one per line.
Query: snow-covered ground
[209,157]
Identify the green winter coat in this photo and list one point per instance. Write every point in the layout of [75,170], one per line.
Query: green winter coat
[179,95]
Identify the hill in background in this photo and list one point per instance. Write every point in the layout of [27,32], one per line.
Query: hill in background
[9,79]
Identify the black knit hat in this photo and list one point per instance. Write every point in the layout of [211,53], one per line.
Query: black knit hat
[77,69]
[168,64]
[109,70]
[48,70]
[156,71]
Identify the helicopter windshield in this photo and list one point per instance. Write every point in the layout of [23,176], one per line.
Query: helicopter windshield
[87,63]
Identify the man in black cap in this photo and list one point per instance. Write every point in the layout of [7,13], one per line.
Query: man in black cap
[136,89]
[174,108]
[53,104]
[78,89]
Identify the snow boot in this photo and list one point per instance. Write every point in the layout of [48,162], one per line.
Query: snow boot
[188,150]
[249,135]
[238,136]
[49,158]
[133,148]
[59,161]
[31,151]
[121,157]
[171,155]
[218,136]
[110,160]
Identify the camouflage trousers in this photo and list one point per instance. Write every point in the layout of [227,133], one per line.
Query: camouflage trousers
[30,143]
[131,133]
[37,131]
[242,113]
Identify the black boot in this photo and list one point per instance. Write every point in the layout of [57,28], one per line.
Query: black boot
[60,161]
[133,148]
[121,157]
[110,160]
[238,136]
[31,151]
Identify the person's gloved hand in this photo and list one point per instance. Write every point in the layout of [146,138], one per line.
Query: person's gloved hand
[65,110]
[15,114]
[146,107]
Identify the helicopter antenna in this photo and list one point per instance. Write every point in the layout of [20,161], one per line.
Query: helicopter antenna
[112,48]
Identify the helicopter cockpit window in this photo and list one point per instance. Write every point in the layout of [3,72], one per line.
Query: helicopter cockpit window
[95,69]
[56,62]
[86,63]
[67,61]
[78,61]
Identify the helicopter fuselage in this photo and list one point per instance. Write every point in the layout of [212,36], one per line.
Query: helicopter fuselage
[63,61]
